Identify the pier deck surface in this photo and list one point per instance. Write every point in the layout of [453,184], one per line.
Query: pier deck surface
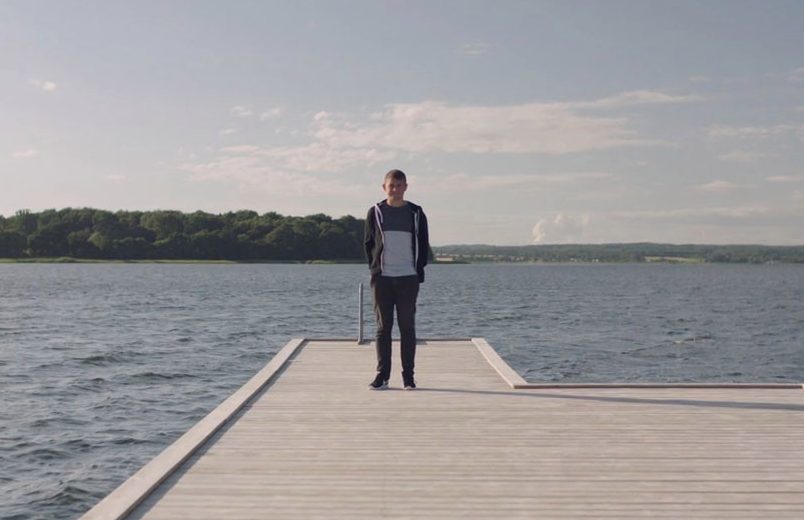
[316,443]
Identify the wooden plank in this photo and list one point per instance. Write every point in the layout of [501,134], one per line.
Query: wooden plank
[131,492]
[465,444]
[508,374]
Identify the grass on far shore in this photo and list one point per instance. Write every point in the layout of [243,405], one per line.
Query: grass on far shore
[71,260]
[674,259]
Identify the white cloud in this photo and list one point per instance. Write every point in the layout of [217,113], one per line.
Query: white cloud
[321,116]
[754,223]
[797,75]
[47,86]
[740,156]
[430,126]
[756,133]
[115,177]
[255,165]
[337,142]
[273,113]
[784,178]
[560,229]
[719,186]
[635,97]
[316,157]
[463,182]
[243,148]
[693,214]
[242,111]
[284,189]
[475,49]
[747,132]
[737,131]
[25,154]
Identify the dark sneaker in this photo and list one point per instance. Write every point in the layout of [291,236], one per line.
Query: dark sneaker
[379,383]
[409,383]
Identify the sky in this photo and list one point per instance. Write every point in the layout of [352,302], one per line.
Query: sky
[517,122]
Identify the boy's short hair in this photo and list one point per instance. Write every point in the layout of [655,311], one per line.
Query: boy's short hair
[397,175]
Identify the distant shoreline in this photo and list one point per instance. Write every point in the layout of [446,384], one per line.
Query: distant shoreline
[87,235]
[70,260]
[665,261]
[640,252]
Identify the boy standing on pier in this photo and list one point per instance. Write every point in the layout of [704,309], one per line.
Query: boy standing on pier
[397,247]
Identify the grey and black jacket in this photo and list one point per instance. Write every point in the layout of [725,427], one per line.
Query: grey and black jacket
[373,239]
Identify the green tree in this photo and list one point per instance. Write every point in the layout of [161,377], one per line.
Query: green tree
[80,246]
[332,242]
[49,241]
[12,244]
[25,222]
[102,243]
[211,245]
[282,240]
[134,248]
[176,246]
[306,234]
[107,223]
[163,223]
[76,218]
[201,221]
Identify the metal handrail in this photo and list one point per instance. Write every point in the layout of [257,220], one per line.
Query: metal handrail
[360,313]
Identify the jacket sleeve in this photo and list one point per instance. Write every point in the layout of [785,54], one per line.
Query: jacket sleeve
[368,235]
[425,238]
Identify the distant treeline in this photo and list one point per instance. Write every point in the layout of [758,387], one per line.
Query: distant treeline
[139,235]
[638,252]
[87,233]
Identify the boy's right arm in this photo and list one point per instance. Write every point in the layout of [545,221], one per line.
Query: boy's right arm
[368,235]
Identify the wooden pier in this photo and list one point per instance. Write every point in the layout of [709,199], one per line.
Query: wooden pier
[306,439]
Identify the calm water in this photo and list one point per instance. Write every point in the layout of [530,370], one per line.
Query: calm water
[102,366]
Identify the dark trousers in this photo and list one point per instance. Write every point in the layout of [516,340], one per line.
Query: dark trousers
[400,292]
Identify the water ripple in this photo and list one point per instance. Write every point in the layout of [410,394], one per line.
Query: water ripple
[105,365]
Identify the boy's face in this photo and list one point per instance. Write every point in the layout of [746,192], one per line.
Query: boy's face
[395,189]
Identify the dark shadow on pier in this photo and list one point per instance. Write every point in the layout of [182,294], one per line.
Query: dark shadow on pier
[735,405]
